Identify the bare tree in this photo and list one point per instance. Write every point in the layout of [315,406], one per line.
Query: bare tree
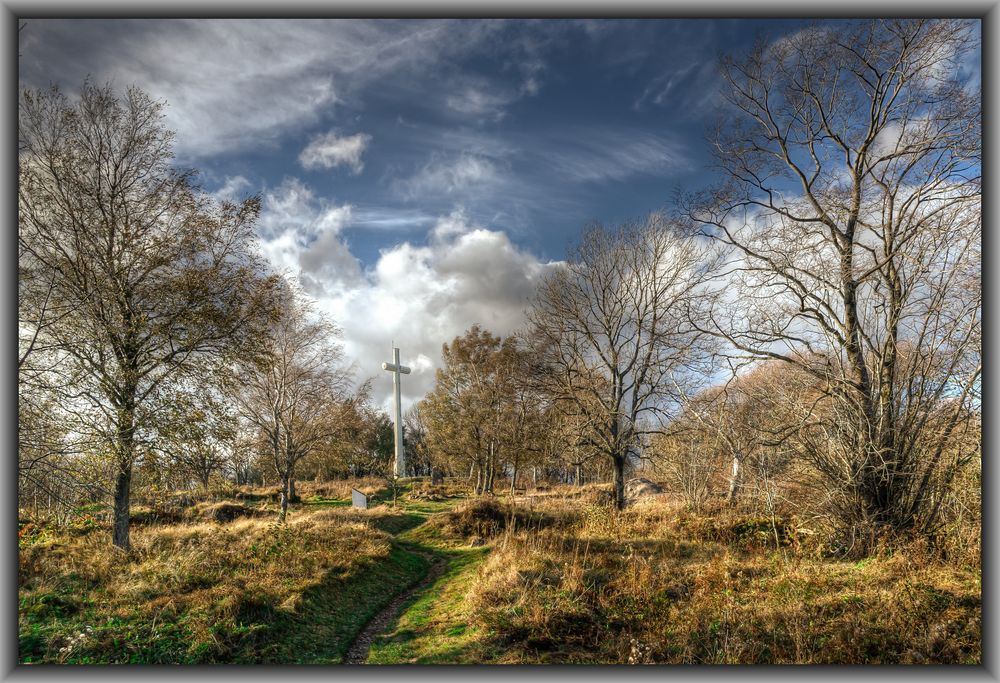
[292,389]
[689,463]
[149,275]
[611,336]
[852,211]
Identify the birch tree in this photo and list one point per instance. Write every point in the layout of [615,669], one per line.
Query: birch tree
[141,276]
[292,389]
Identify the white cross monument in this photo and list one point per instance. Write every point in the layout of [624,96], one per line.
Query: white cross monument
[399,467]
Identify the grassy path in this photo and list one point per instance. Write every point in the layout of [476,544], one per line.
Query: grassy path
[333,612]
[433,627]
[243,592]
[358,652]
[423,623]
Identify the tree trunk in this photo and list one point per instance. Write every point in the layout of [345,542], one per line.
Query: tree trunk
[123,479]
[619,481]
[284,498]
[291,488]
[490,475]
[513,480]
[579,474]
[123,486]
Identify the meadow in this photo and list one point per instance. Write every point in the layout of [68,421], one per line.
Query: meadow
[549,575]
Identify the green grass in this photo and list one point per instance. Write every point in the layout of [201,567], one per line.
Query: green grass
[193,594]
[143,611]
[568,583]
[334,612]
[319,631]
[433,628]
[326,502]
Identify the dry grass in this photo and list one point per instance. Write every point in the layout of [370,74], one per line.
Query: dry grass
[565,579]
[423,489]
[487,518]
[340,489]
[203,588]
[658,584]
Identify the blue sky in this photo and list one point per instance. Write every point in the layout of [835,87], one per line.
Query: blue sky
[419,176]
[533,127]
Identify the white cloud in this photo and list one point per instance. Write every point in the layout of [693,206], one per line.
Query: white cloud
[419,296]
[452,225]
[692,91]
[330,150]
[233,189]
[390,219]
[603,153]
[480,102]
[300,235]
[236,84]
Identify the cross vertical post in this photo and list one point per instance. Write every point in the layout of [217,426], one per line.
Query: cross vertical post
[399,466]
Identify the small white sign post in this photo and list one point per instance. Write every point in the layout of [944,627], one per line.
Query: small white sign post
[399,466]
[358,499]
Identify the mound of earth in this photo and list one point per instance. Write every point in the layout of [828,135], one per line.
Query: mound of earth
[636,489]
[227,512]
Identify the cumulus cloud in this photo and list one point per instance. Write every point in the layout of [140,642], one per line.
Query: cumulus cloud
[300,234]
[330,150]
[416,295]
[454,224]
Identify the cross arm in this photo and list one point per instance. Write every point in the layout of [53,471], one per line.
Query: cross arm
[392,367]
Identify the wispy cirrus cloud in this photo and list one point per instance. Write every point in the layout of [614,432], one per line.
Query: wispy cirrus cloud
[451,175]
[490,98]
[390,219]
[236,84]
[601,153]
[480,101]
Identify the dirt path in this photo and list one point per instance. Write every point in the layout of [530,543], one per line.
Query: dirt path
[358,652]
